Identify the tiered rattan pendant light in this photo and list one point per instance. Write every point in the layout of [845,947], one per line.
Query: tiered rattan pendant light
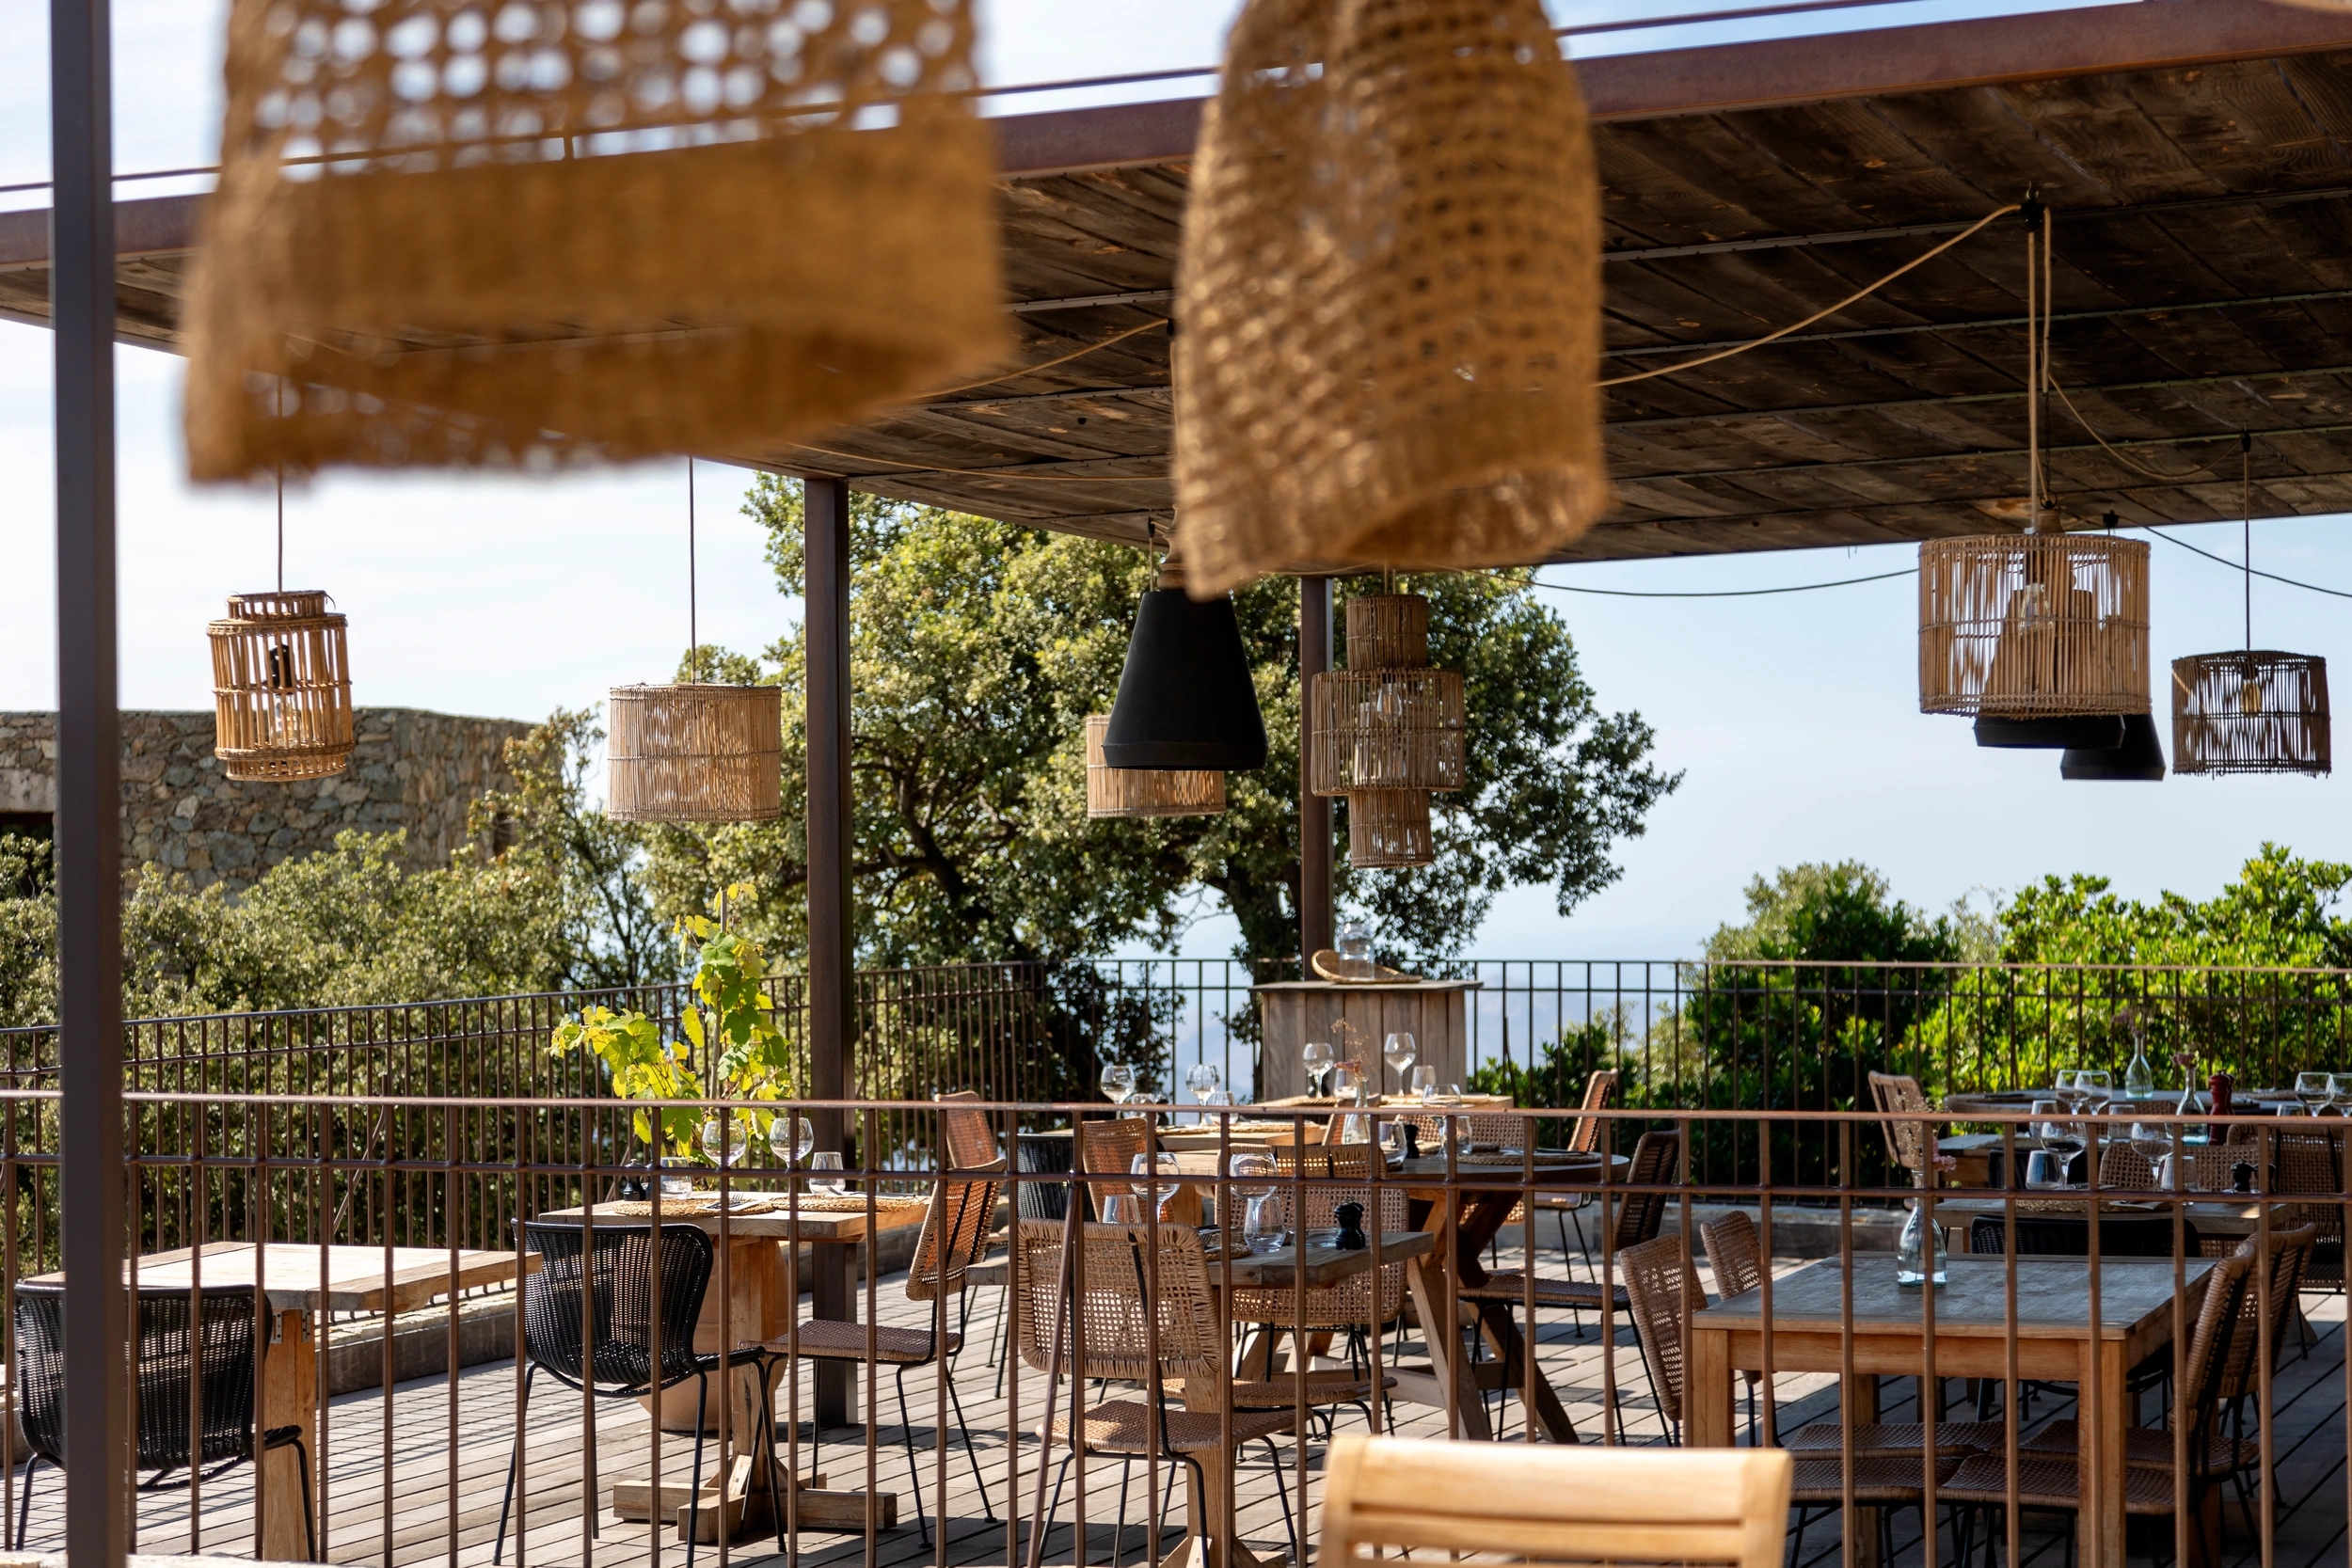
[1147,791]
[534,231]
[1391,291]
[1387,731]
[282,682]
[2256,710]
[697,751]
[2040,627]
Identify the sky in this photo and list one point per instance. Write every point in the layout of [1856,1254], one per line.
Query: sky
[1793,717]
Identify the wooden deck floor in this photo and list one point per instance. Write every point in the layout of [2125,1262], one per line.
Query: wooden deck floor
[440,1503]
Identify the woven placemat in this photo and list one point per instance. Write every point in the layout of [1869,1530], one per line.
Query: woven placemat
[766,1203]
[1542,1157]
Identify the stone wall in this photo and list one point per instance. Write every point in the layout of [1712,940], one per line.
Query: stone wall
[411,769]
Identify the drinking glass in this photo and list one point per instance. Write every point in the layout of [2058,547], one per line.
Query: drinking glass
[791,1138]
[1347,1083]
[1158,1186]
[1262,1216]
[2315,1090]
[677,1178]
[2064,1138]
[2064,1089]
[1119,1082]
[1398,1052]
[1318,1058]
[1425,1084]
[2152,1141]
[2340,1089]
[824,1169]
[724,1139]
[1354,1128]
[2095,1085]
[1203,1079]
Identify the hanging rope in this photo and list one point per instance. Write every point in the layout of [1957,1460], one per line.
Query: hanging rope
[1858,295]
[694,626]
[1032,370]
[2245,522]
[2148,473]
[282,527]
[1728,592]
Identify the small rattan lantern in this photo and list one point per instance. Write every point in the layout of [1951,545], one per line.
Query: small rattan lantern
[282,687]
[1389,828]
[695,753]
[2259,711]
[2032,625]
[1147,791]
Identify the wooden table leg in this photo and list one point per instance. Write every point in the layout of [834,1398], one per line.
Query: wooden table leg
[761,1296]
[1502,1331]
[2099,1532]
[1861,1398]
[289,1396]
[1449,1368]
[1707,1391]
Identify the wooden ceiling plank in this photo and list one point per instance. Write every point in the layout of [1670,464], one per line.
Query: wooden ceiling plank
[1858,158]
[2095,123]
[1708,163]
[2241,124]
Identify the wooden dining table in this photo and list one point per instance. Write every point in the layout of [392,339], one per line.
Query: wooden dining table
[2057,1341]
[300,1281]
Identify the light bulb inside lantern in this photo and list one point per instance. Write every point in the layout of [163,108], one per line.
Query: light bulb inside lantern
[2249,697]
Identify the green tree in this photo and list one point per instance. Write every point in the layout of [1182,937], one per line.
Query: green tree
[977,651]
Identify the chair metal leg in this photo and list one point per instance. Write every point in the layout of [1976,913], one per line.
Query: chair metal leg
[987,1510]
[694,1476]
[514,1465]
[24,1504]
[1119,1526]
[1282,1489]
[914,1477]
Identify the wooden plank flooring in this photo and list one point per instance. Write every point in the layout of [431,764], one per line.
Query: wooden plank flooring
[441,1503]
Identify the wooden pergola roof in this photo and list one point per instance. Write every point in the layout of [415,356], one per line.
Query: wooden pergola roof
[2197,154]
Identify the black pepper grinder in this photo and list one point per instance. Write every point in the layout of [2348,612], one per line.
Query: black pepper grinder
[1351,1236]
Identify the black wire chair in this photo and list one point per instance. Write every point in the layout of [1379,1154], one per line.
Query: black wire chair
[588,1322]
[201,1349]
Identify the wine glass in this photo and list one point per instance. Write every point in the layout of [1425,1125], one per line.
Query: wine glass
[1317,1057]
[2096,1086]
[2063,1138]
[1203,1080]
[2315,1090]
[1425,1084]
[820,1165]
[724,1139]
[791,1138]
[2153,1142]
[2063,1090]
[1261,1217]
[1159,1172]
[1119,1082]
[2340,1089]
[1398,1052]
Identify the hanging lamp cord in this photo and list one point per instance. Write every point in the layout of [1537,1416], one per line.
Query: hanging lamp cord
[281,528]
[693,628]
[2246,523]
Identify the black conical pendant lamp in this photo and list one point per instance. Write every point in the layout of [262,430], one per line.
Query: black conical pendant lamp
[2139,759]
[2086,732]
[1185,699]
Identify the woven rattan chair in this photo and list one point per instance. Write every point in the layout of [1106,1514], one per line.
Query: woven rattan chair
[613,1287]
[1119,1313]
[1657,1156]
[970,1143]
[1357,1305]
[2223,1351]
[1566,1205]
[1107,1146]
[218,1374]
[1737,1263]
[955,1233]
[1897,1093]
[1434,1500]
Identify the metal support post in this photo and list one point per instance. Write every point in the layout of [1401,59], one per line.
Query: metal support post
[1315,811]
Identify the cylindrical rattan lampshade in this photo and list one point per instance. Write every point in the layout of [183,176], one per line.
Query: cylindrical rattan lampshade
[1389,828]
[695,753]
[533,232]
[1388,631]
[1147,791]
[1386,729]
[2033,624]
[282,687]
[2258,711]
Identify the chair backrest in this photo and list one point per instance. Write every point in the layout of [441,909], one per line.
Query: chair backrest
[1107,1146]
[1657,1156]
[1732,1253]
[1554,1504]
[970,1140]
[218,1355]
[612,1291]
[1906,1141]
[1351,1302]
[956,1226]
[2069,1236]
[2223,1350]
[2313,1162]
[1325,1161]
[1659,1282]
[2121,1166]
[2290,1257]
[1600,1090]
[1111,1328]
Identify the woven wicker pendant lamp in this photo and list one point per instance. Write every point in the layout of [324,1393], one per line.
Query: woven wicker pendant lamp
[1390,292]
[2043,625]
[2256,710]
[697,751]
[1386,731]
[282,682]
[539,231]
[1147,791]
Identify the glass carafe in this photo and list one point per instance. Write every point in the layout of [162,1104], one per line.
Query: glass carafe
[1920,1251]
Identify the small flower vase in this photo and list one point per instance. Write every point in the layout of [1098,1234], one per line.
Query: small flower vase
[1919,1258]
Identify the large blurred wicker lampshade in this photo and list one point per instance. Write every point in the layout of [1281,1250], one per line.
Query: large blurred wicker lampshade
[1147,791]
[695,753]
[282,687]
[1390,292]
[535,233]
[2033,625]
[2258,711]
[1186,701]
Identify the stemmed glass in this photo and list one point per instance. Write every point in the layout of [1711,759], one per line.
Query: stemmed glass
[1159,1172]
[1317,1057]
[2096,1086]
[1254,1184]
[724,1139]
[2315,1090]
[2066,1139]
[1119,1082]
[1203,1080]
[791,1138]
[2067,1091]
[2153,1142]
[2340,1089]
[1398,1052]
